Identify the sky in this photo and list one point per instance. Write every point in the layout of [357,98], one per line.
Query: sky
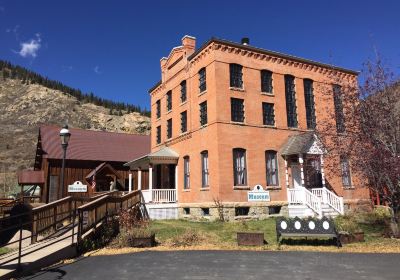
[113,47]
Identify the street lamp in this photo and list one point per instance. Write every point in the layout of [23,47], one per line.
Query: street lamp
[64,135]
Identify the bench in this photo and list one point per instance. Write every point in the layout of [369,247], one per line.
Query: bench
[306,228]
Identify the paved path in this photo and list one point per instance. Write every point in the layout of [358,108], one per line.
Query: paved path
[230,265]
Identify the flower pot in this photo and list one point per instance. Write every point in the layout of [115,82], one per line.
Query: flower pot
[142,242]
[250,238]
[358,236]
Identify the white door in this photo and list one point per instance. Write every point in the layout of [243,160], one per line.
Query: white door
[296,175]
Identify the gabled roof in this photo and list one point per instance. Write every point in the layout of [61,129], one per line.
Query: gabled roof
[163,156]
[304,143]
[93,145]
[100,168]
[30,177]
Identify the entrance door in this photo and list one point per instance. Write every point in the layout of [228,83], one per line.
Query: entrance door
[53,188]
[296,175]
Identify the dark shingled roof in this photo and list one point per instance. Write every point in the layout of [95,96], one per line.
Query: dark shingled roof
[94,145]
[298,144]
[30,177]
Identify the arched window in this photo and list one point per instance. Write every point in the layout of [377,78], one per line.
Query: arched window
[346,174]
[271,163]
[204,169]
[186,172]
[239,167]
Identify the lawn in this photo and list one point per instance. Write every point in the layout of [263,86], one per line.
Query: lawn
[4,250]
[205,235]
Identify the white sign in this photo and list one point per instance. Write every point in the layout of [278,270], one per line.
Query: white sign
[77,187]
[258,194]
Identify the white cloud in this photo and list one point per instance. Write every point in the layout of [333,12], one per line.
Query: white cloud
[31,47]
[96,70]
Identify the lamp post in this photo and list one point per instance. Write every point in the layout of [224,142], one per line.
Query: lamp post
[64,135]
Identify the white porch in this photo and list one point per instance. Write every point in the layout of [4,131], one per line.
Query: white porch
[307,191]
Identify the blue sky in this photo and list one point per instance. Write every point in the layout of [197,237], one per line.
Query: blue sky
[113,48]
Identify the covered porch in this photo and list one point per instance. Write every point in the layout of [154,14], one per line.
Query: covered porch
[162,167]
[305,177]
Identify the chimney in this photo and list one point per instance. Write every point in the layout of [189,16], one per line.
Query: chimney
[189,44]
[245,41]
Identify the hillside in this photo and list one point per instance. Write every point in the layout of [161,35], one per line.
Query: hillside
[24,107]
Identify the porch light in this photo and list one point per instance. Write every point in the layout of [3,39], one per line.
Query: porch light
[65,135]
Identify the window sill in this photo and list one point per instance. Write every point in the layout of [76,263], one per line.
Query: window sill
[168,112]
[183,133]
[186,190]
[350,188]
[269,126]
[203,126]
[237,89]
[205,189]
[201,93]
[241,187]
[273,188]
[159,118]
[238,123]
[267,94]
[183,103]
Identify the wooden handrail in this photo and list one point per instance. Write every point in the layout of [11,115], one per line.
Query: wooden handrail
[51,204]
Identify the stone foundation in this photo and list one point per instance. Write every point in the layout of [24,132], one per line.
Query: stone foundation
[231,211]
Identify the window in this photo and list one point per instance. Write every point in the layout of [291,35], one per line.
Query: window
[204,169]
[346,174]
[169,101]
[272,168]
[203,113]
[183,121]
[237,110]
[290,101]
[274,210]
[158,109]
[183,91]
[158,134]
[266,81]
[236,75]
[186,211]
[202,80]
[239,167]
[242,211]
[309,100]
[169,128]
[186,172]
[205,211]
[268,113]
[337,99]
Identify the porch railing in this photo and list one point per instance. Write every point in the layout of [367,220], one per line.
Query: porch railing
[330,198]
[164,195]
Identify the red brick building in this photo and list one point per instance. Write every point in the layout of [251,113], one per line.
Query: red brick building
[229,116]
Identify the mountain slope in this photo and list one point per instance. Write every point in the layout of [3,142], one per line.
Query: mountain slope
[24,107]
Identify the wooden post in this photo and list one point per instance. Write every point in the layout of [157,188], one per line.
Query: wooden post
[55,218]
[130,181]
[139,179]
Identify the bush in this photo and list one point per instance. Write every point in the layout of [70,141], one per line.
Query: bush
[347,223]
[380,215]
[101,236]
[188,238]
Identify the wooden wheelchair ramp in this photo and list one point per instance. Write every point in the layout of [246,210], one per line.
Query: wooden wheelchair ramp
[57,228]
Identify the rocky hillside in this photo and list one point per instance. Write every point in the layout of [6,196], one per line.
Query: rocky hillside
[23,108]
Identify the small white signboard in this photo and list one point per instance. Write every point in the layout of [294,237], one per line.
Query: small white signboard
[77,187]
[258,194]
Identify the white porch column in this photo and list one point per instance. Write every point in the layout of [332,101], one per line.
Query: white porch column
[301,161]
[176,182]
[321,158]
[286,173]
[130,181]
[139,179]
[151,182]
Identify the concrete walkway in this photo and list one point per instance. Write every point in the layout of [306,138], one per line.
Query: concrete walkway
[40,254]
[229,265]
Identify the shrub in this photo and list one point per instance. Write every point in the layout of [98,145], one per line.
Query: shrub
[347,223]
[101,236]
[189,238]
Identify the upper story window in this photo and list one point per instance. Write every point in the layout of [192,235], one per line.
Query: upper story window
[202,80]
[169,101]
[184,121]
[203,113]
[204,169]
[183,92]
[309,100]
[186,172]
[236,75]
[290,94]
[169,128]
[237,110]
[239,167]
[268,113]
[266,81]
[158,134]
[158,109]
[271,161]
[346,174]
[339,114]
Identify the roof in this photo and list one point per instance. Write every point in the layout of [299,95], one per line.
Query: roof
[30,177]
[163,156]
[264,51]
[93,145]
[304,143]
[99,168]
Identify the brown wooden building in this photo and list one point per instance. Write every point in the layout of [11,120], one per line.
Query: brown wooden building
[91,156]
